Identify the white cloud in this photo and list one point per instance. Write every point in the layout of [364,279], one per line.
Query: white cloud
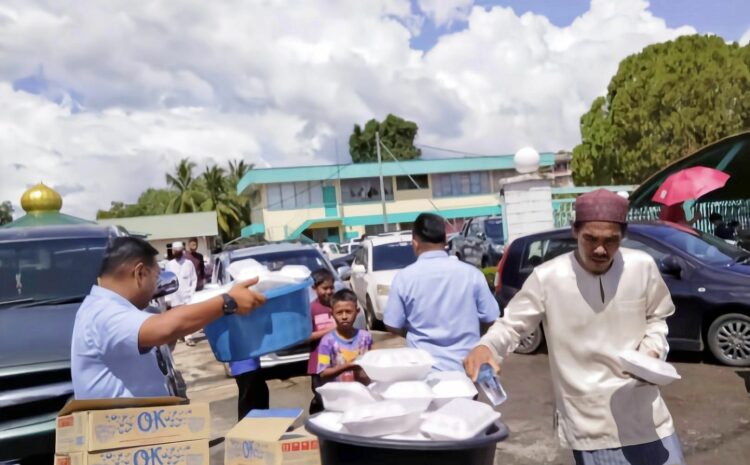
[281,82]
[745,39]
[446,12]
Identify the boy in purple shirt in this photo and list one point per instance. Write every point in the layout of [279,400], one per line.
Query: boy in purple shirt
[338,349]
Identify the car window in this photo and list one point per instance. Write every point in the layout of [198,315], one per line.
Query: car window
[538,252]
[274,261]
[392,256]
[49,270]
[636,244]
[704,247]
[474,229]
[494,229]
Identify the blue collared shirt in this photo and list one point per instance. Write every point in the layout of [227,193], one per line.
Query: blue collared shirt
[441,302]
[106,361]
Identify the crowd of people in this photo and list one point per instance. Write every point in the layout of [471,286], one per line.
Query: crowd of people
[592,303]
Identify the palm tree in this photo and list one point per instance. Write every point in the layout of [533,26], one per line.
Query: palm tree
[189,194]
[228,211]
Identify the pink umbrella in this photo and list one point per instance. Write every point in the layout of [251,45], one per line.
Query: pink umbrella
[689,184]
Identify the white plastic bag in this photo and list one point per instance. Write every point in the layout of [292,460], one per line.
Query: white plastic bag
[391,365]
[458,420]
[380,419]
[342,396]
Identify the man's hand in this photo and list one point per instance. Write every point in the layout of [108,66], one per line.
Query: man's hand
[247,299]
[480,355]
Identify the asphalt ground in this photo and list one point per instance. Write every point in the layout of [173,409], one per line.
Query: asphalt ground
[710,405]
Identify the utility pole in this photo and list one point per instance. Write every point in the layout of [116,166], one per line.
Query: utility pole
[382,187]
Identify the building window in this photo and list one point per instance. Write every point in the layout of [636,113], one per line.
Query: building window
[293,195]
[458,184]
[365,190]
[404,183]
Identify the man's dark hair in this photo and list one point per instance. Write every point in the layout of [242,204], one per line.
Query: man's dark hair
[429,227]
[122,250]
[577,225]
[193,239]
[321,275]
[344,295]
[713,217]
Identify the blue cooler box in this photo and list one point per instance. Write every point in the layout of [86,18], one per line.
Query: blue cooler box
[283,321]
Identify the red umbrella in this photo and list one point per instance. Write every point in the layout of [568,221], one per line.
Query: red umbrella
[689,184]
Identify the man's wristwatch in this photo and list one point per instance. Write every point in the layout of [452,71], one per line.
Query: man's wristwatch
[230,305]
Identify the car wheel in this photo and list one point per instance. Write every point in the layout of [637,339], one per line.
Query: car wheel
[373,323]
[531,342]
[729,339]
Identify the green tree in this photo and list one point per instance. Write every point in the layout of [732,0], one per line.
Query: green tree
[150,202]
[190,193]
[664,103]
[6,212]
[227,207]
[396,133]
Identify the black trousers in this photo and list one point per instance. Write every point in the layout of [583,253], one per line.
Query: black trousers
[316,405]
[253,393]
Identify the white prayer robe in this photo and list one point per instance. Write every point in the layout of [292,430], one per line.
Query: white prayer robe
[598,406]
[188,279]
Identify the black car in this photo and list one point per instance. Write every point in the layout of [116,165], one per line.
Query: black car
[45,273]
[709,281]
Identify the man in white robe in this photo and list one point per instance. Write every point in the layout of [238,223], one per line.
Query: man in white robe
[594,304]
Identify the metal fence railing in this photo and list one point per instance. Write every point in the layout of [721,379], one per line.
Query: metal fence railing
[730,210]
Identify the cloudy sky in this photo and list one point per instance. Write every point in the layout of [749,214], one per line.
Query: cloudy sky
[101,98]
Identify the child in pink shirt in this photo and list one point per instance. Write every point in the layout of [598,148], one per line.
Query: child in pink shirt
[323,323]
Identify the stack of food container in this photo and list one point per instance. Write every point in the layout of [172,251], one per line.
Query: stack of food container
[405,401]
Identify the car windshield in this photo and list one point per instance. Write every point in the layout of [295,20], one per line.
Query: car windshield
[312,259]
[48,270]
[494,229]
[392,256]
[704,247]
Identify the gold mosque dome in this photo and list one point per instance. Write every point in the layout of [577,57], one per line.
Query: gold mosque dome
[41,198]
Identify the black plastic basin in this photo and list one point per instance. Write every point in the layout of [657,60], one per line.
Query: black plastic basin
[346,449]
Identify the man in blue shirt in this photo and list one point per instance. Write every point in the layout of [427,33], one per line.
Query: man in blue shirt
[113,351]
[439,303]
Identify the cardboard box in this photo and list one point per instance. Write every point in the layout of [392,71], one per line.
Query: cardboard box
[103,424]
[174,453]
[261,438]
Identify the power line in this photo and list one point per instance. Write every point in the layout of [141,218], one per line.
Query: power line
[460,152]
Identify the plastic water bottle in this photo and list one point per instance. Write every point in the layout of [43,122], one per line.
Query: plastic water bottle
[490,385]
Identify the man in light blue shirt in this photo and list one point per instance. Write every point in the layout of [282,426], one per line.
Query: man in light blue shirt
[113,351]
[440,304]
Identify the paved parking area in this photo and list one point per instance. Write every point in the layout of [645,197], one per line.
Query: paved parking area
[710,405]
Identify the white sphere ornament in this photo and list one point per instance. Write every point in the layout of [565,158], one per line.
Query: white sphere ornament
[526,160]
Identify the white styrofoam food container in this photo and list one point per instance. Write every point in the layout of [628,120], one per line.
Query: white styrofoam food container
[413,395]
[329,420]
[449,385]
[242,270]
[648,368]
[342,396]
[402,364]
[458,420]
[380,419]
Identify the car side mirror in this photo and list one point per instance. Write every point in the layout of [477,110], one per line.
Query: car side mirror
[168,284]
[481,236]
[670,265]
[344,272]
[359,269]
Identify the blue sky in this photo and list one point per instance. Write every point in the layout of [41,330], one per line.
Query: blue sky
[727,18]
[110,95]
